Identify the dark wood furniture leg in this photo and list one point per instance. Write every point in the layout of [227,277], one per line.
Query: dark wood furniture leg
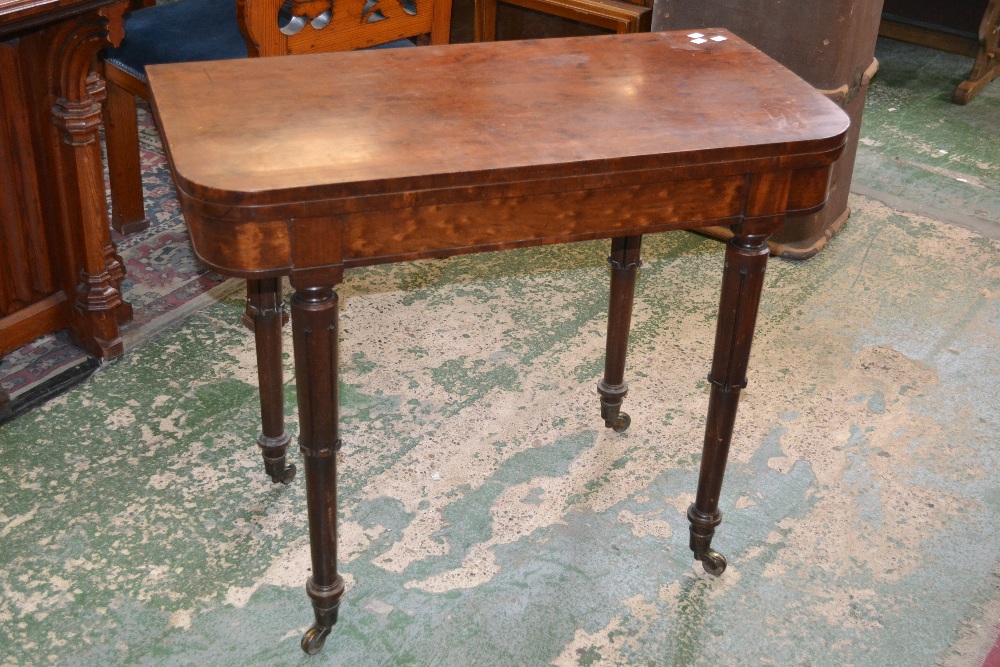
[742,279]
[315,333]
[625,263]
[128,214]
[265,310]
[987,65]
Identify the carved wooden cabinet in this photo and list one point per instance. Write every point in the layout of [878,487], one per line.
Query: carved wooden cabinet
[58,267]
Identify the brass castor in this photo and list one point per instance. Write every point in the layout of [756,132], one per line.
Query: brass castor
[713,562]
[620,423]
[285,477]
[314,638]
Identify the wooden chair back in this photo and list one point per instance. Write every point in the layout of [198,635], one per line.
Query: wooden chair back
[287,27]
[196,30]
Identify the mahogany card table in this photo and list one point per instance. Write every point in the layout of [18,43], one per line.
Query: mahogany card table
[305,166]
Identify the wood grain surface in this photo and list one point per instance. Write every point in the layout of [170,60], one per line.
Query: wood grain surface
[376,121]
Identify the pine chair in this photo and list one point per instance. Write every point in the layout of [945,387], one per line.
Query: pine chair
[195,30]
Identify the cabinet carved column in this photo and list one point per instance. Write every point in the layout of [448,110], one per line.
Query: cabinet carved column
[60,268]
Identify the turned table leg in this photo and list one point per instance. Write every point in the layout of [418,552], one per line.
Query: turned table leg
[265,312]
[742,279]
[314,332]
[625,262]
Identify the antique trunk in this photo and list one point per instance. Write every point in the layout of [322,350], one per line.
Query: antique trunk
[829,44]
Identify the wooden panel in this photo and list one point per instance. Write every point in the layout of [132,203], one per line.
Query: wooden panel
[958,16]
[60,268]
[18,15]
[381,236]
[613,15]
[440,223]
[39,318]
[943,40]
[808,190]
[253,249]
[25,271]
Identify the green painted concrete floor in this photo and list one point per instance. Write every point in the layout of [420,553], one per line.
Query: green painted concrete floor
[489,519]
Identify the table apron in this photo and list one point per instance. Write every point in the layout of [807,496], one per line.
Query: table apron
[325,244]
[434,230]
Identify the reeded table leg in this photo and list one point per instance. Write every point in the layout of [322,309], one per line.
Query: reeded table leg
[742,279]
[314,332]
[265,311]
[625,262]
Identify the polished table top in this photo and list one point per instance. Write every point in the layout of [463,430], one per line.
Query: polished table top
[379,130]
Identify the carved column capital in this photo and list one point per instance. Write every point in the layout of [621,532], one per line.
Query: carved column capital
[79,120]
[76,90]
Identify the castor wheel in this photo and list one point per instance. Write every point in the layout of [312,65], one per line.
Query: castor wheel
[713,562]
[286,476]
[621,422]
[314,638]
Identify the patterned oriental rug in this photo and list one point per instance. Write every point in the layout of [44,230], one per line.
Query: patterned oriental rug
[164,283]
